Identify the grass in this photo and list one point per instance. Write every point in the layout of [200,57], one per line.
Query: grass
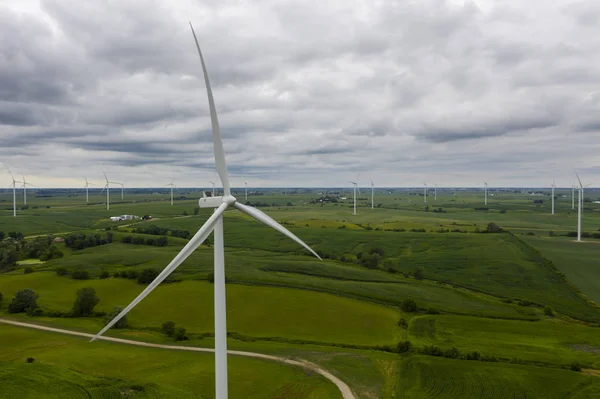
[271,312]
[549,341]
[578,261]
[72,367]
[422,377]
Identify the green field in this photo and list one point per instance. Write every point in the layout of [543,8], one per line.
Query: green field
[67,367]
[578,261]
[477,292]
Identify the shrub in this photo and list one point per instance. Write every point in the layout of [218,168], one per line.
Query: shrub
[85,302]
[575,366]
[28,270]
[548,311]
[409,305]
[23,300]
[30,360]
[121,323]
[432,311]
[179,334]
[61,271]
[432,350]
[524,302]
[81,275]
[452,353]
[104,274]
[168,328]
[493,228]
[1,297]
[403,346]
[402,323]
[147,276]
[473,356]
[211,277]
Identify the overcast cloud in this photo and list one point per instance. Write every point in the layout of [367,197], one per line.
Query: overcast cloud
[309,93]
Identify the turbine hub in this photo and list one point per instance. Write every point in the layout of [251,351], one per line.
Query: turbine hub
[229,199]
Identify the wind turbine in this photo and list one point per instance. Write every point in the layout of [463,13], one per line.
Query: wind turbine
[435,192]
[214,222]
[372,195]
[213,187]
[553,186]
[24,187]
[355,185]
[485,186]
[172,185]
[246,185]
[425,191]
[107,188]
[580,202]
[573,197]
[87,184]
[14,186]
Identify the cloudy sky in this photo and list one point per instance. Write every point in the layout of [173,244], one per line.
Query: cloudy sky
[309,93]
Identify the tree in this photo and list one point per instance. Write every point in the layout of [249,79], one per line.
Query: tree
[196,210]
[418,274]
[548,311]
[121,323]
[28,270]
[168,328]
[403,346]
[1,297]
[81,275]
[147,276]
[409,305]
[85,302]
[23,300]
[8,255]
[179,334]
[493,228]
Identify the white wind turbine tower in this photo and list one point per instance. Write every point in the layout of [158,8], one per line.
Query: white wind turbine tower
[573,197]
[107,188]
[580,202]
[435,192]
[24,187]
[372,195]
[87,184]
[553,186]
[355,186]
[14,187]
[214,222]
[172,185]
[246,186]
[213,187]
[485,186]
[425,192]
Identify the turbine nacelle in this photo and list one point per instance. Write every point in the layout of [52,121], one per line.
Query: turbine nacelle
[215,202]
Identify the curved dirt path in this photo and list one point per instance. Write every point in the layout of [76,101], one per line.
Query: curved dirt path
[342,386]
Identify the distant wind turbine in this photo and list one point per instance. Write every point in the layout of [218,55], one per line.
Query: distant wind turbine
[553,186]
[485,186]
[107,188]
[435,192]
[172,185]
[213,187]
[580,202]
[246,186]
[425,192]
[14,187]
[573,197]
[24,187]
[214,222]
[87,184]
[372,195]
[355,185]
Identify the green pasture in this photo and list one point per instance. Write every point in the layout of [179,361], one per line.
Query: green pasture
[72,367]
[260,312]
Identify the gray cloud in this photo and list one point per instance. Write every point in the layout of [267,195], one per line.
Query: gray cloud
[405,91]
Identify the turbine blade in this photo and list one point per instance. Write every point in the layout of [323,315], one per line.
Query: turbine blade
[266,219]
[576,174]
[218,144]
[194,243]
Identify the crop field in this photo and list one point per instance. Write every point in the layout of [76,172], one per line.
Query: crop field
[67,367]
[425,377]
[578,261]
[522,298]
[547,341]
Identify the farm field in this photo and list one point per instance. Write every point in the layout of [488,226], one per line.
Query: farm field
[486,292]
